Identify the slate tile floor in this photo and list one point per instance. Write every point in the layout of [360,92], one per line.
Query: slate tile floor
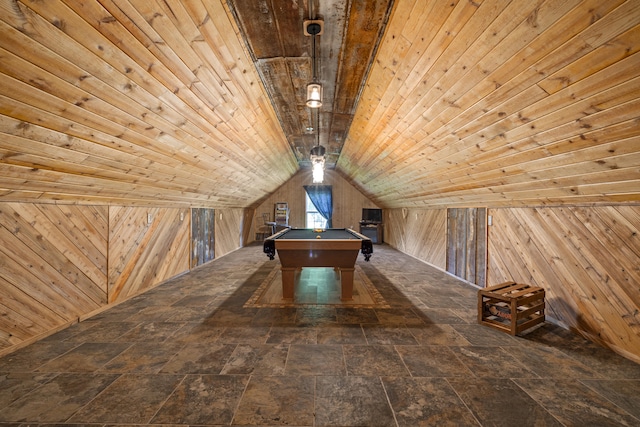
[188,353]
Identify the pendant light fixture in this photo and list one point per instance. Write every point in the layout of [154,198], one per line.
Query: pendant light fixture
[314,28]
[317,154]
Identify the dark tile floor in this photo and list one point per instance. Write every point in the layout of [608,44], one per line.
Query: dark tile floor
[188,353]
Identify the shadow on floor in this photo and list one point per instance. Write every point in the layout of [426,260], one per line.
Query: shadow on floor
[188,353]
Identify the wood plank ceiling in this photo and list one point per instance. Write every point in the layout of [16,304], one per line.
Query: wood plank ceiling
[427,103]
[283,56]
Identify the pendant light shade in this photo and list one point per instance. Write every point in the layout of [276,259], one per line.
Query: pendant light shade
[314,89]
[314,95]
[317,163]
[314,100]
[318,172]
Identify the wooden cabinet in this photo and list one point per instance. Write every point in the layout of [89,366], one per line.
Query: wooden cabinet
[372,231]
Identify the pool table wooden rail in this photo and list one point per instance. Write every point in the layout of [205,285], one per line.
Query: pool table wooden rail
[269,247]
[339,253]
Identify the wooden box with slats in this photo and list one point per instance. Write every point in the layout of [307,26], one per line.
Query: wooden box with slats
[511,307]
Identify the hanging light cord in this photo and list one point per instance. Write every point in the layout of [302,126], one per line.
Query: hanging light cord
[317,126]
[315,71]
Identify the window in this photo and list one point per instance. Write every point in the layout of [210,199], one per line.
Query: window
[313,217]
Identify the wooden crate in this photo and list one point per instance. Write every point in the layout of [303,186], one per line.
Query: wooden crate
[511,307]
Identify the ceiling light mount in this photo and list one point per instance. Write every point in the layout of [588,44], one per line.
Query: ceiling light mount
[313,27]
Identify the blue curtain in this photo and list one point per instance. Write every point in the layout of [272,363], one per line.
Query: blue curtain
[322,198]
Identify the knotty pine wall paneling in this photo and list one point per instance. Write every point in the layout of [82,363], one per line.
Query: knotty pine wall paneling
[347,201]
[229,225]
[146,247]
[52,268]
[421,233]
[162,96]
[586,259]
[504,104]
[247,234]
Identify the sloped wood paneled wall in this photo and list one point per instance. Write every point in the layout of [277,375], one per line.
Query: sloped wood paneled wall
[586,258]
[419,233]
[229,225]
[53,265]
[53,262]
[347,201]
[160,95]
[500,103]
[146,246]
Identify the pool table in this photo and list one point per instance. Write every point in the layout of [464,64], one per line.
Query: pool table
[308,247]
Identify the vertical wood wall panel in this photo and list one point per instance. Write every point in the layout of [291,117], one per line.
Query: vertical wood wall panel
[421,233]
[146,246]
[467,244]
[52,267]
[202,236]
[586,258]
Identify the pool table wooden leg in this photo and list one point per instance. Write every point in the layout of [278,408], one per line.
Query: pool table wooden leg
[288,282]
[346,279]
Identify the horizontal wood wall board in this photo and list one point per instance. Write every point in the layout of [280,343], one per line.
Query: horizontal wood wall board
[170,87]
[77,26]
[471,63]
[618,169]
[139,154]
[496,148]
[61,184]
[33,155]
[410,103]
[170,153]
[161,133]
[169,98]
[478,110]
[597,60]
